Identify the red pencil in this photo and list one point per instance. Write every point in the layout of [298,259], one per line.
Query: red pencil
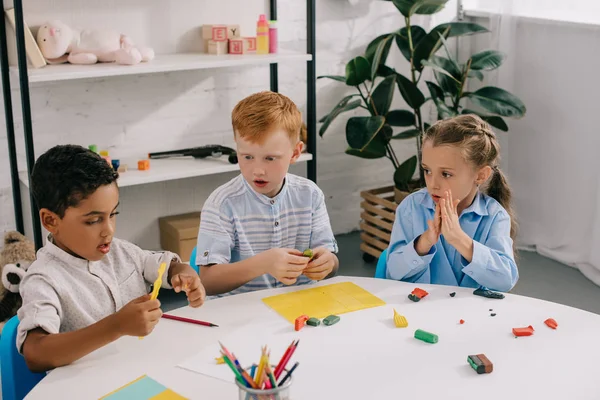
[191,321]
[281,367]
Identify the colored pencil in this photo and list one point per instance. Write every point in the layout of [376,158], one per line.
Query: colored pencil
[286,360]
[271,377]
[191,321]
[289,374]
[244,373]
[281,363]
[226,351]
[238,376]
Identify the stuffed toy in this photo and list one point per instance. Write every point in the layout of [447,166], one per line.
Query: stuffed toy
[59,44]
[16,257]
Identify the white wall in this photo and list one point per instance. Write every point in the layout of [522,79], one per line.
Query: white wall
[134,115]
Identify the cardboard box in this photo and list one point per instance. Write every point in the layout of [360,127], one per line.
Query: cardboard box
[179,233]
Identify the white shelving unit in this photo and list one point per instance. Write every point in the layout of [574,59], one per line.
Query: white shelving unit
[171,169]
[162,63]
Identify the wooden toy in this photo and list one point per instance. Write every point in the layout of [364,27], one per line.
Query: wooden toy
[93,148]
[233,32]
[399,320]
[300,322]
[237,46]
[122,168]
[251,43]
[480,363]
[551,323]
[426,336]
[331,320]
[217,48]
[417,294]
[104,153]
[523,331]
[217,33]
[144,165]
[116,164]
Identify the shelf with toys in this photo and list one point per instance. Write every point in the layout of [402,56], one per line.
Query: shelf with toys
[172,169]
[224,47]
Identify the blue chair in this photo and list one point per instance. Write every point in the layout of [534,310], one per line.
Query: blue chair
[17,379]
[193,260]
[381,266]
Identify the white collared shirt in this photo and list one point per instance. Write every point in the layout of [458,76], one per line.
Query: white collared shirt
[63,293]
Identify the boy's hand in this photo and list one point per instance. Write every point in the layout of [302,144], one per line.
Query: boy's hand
[138,317]
[321,265]
[285,265]
[191,285]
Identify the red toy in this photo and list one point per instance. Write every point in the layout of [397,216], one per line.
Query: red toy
[417,294]
[462,321]
[300,322]
[144,165]
[523,331]
[551,323]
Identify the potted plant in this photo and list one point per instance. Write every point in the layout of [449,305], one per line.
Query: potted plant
[375,83]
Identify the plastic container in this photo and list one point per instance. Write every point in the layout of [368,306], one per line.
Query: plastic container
[272,36]
[262,35]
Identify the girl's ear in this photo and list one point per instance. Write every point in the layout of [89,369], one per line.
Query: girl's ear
[483,175]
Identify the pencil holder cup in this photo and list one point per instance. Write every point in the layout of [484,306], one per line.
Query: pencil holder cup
[279,393]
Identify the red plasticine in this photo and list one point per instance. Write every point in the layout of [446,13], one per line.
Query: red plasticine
[462,321]
[551,323]
[523,331]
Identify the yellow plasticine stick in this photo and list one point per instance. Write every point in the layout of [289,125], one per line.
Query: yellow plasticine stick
[158,281]
[399,320]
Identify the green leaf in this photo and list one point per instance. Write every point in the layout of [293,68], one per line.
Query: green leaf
[493,120]
[383,94]
[410,7]
[438,96]
[439,69]
[334,77]
[409,134]
[403,175]
[343,106]
[475,74]
[358,70]
[461,28]
[452,59]
[410,92]
[364,153]
[448,85]
[380,55]
[400,118]
[385,71]
[386,132]
[361,131]
[487,60]
[428,46]
[498,101]
[417,34]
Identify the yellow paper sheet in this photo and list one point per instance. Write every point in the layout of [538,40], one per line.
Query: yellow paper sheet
[319,302]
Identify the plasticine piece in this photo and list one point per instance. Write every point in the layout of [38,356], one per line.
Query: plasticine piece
[399,320]
[462,321]
[551,323]
[220,360]
[313,322]
[452,294]
[300,322]
[523,331]
[331,320]
[488,293]
[308,253]
[426,336]
[493,314]
[480,363]
[417,294]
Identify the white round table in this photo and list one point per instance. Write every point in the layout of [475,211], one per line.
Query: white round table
[365,355]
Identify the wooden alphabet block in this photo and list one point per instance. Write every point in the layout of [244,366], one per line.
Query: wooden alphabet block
[233,32]
[218,33]
[250,44]
[237,46]
[217,48]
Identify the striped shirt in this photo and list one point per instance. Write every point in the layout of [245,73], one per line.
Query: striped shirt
[238,223]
